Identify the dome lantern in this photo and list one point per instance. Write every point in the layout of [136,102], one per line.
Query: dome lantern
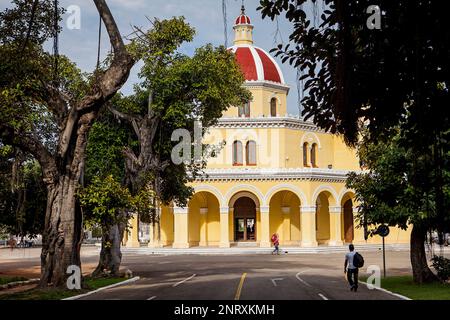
[243,29]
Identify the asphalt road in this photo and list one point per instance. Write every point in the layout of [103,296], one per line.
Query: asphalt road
[253,277]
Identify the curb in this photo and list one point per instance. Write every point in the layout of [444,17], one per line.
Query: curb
[103,288]
[18,283]
[387,291]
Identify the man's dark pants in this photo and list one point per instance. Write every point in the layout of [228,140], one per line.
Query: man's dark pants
[352,277]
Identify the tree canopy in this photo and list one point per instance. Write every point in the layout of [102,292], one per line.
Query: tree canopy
[23,196]
[398,188]
[355,75]
[389,82]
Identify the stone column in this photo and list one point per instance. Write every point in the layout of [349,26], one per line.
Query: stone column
[265,228]
[310,164]
[181,226]
[133,235]
[155,231]
[308,226]
[225,212]
[125,238]
[335,226]
[203,227]
[286,211]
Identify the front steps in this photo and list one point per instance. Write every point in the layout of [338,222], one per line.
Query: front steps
[256,250]
[245,244]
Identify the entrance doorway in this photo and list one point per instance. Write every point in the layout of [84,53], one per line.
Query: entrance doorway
[245,229]
[244,220]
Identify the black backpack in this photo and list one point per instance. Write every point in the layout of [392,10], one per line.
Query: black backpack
[358,260]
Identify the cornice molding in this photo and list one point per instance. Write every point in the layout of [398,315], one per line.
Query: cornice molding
[308,209]
[335,209]
[266,122]
[266,84]
[267,174]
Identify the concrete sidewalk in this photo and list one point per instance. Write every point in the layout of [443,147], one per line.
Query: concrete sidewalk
[35,253]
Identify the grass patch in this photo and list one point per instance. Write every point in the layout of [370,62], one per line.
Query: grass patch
[405,286]
[94,284]
[90,284]
[5,280]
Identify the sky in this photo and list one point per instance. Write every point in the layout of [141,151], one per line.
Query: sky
[204,15]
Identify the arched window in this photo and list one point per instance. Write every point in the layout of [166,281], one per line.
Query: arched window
[305,154]
[314,155]
[237,153]
[250,153]
[273,107]
[244,110]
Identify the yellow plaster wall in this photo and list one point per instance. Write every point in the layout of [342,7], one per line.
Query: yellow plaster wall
[344,157]
[260,102]
[209,224]
[275,217]
[286,225]
[295,222]
[281,148]
[323,220]
[167,227]
[396,236]
[194,223]
[213,221]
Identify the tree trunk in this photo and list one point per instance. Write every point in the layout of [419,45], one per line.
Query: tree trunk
[110,255]
[421,272]
[62,234]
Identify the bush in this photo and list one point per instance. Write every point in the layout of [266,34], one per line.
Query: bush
[442,266]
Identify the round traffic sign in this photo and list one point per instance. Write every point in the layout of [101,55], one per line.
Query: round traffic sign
[383,230]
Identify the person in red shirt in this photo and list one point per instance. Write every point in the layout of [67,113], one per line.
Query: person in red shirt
[276,242]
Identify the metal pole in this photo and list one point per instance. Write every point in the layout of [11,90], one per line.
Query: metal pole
[384,261]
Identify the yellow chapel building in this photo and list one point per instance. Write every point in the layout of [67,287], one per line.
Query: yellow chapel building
[275,174]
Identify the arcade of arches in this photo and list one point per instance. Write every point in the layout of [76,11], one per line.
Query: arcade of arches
[247,217]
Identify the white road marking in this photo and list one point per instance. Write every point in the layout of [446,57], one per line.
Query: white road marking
[183,281]
[151,298]
[276,279]
[322,296]
[301,280]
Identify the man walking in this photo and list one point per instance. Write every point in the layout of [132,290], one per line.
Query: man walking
[351,269]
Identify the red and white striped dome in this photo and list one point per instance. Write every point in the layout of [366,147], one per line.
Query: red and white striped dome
[243,18]
[257,64]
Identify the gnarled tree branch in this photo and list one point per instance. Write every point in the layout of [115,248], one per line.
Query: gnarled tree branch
[133,119]
[107,84]
[57,102]
[112,79]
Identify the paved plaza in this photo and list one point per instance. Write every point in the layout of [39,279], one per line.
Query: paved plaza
[310,276]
